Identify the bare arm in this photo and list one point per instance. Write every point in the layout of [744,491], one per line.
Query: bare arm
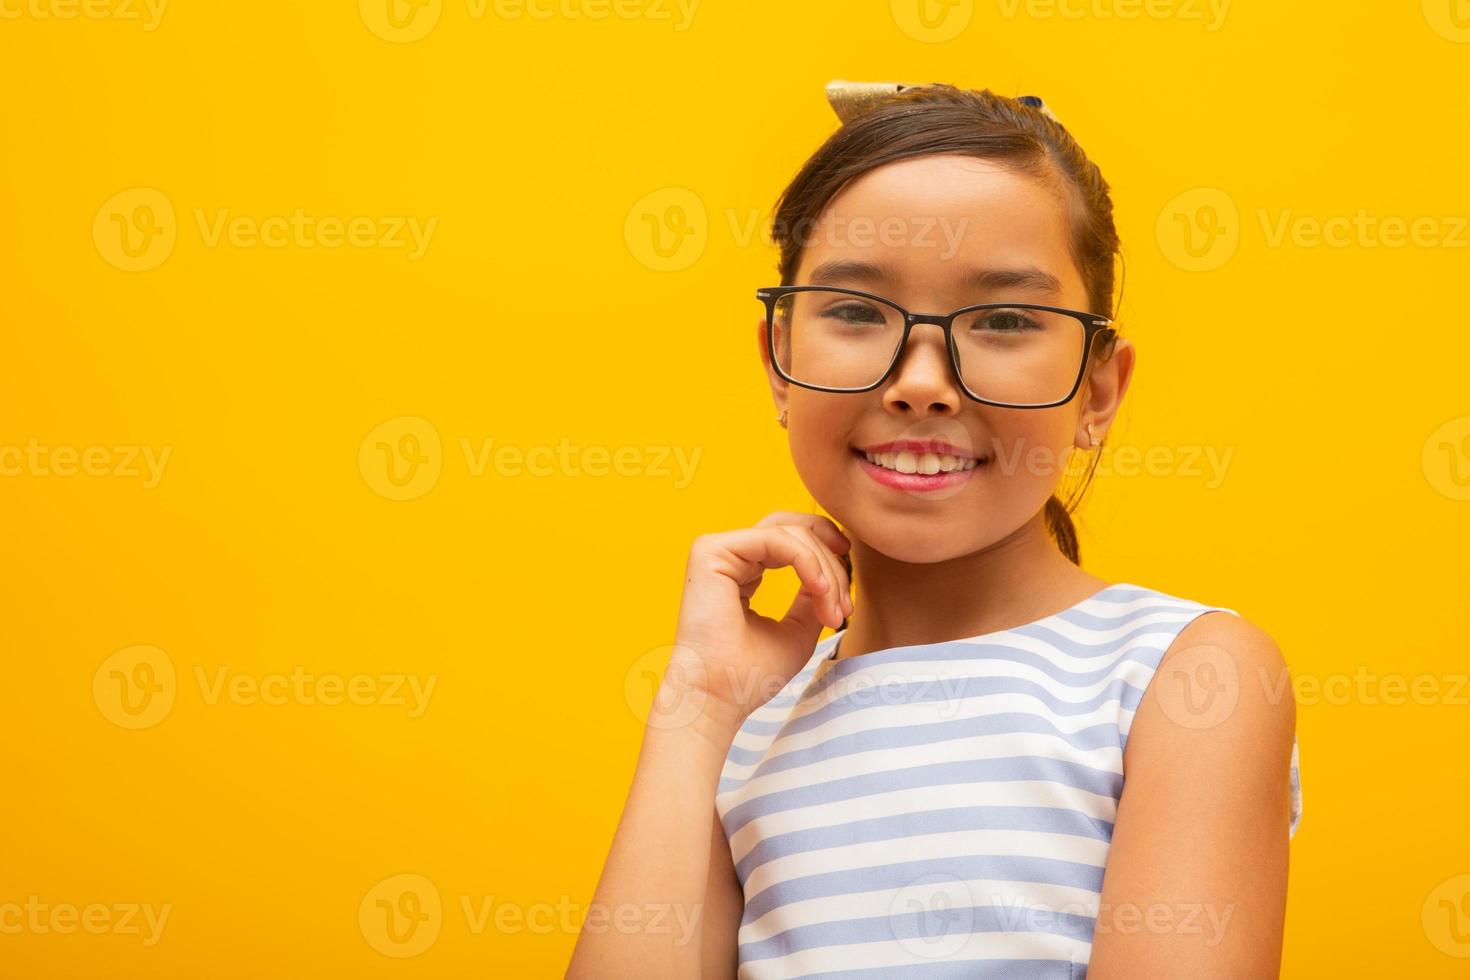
[1196,877]
[651,898]
[724,902]
[668,903]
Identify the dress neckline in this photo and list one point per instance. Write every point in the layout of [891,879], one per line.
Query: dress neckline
[831,665]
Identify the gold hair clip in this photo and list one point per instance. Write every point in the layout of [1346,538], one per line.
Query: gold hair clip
[851,99]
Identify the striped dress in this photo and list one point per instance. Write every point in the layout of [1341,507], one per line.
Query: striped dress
[944,809]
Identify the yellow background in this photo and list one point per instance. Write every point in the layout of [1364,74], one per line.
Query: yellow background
[546,148]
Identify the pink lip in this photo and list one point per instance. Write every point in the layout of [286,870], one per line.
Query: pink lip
[914,481]
[918,447]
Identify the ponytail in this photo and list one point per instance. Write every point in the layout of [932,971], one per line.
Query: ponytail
[1059,525]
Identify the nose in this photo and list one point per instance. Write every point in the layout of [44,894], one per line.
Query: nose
[923,383]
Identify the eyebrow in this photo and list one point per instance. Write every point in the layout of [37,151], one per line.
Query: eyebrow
[850,270]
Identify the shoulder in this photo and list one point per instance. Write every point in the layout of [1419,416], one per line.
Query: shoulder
[1221,688]
[1206,812]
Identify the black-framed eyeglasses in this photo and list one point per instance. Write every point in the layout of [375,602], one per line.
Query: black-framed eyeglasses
[1012,355]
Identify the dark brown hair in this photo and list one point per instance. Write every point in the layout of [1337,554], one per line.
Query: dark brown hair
[940,118]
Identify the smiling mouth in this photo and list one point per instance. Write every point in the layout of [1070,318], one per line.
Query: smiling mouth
[920,464]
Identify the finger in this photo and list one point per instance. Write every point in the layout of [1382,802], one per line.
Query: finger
[835,542]
[742,555]
[824,527]
[830,602]
[811,612]
[838,569]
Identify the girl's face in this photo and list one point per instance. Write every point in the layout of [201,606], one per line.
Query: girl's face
[922,232]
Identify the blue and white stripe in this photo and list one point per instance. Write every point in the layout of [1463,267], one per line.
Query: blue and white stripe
[945,809]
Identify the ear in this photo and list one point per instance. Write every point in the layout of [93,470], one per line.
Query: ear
[779,386]
[1103,392]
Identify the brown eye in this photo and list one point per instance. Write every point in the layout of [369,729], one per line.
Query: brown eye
[1007,321]
[855,313]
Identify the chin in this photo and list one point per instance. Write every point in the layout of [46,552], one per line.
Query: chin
[912,539]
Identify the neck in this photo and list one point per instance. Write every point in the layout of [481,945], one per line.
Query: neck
[1018,579]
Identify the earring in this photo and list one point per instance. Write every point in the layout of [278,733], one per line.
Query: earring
[782,418]
[1092,440]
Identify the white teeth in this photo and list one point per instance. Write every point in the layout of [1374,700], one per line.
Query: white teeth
[926,463]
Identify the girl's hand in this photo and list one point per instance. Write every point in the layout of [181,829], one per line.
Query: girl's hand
[732,659]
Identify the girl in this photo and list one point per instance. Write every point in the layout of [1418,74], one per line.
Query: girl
[999,765]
